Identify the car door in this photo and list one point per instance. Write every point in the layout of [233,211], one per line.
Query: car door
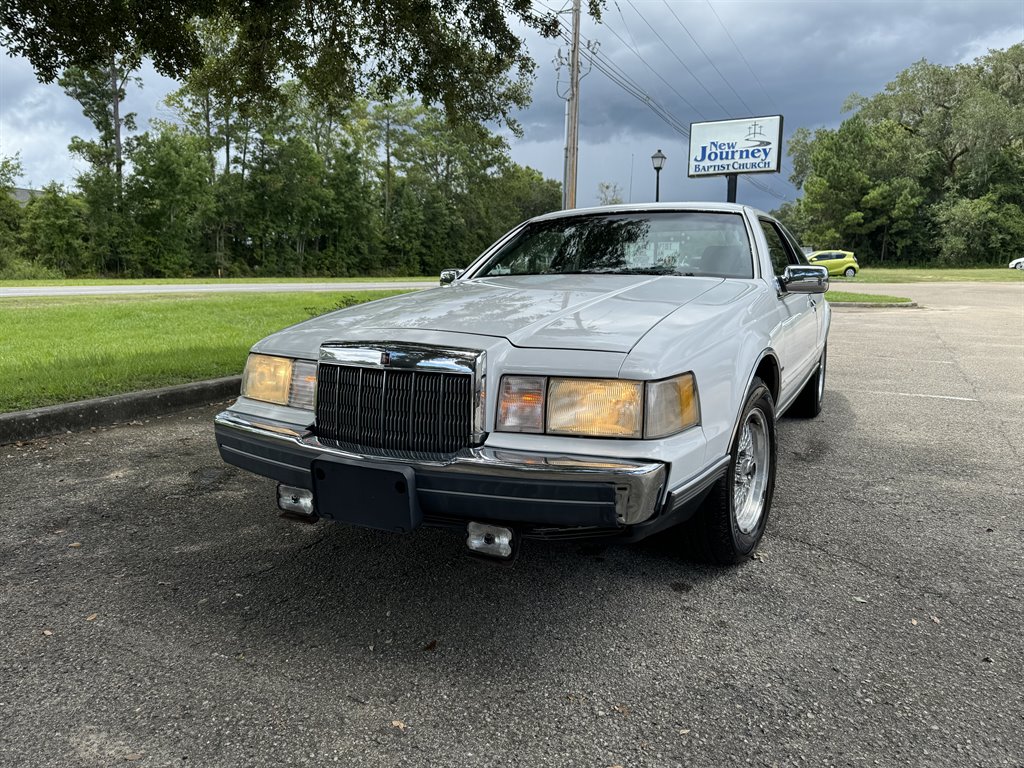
[826,260]
[799,312]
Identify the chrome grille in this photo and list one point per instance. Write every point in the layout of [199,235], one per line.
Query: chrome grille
[382,409]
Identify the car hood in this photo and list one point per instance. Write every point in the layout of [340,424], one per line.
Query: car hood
[588,312]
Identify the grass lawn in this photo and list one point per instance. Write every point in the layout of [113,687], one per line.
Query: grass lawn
[840,297]
[209,281]
[933,275]
[56,350]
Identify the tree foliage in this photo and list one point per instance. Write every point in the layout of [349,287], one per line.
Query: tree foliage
[295,187]
[10,211]
[609,193]
[54,233]
[928,171]
[461,54]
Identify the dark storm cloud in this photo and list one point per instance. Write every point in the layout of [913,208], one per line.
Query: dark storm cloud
[37,121]
[808,57]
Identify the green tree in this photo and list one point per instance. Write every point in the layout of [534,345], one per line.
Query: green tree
[167,201]
[350,220]
[10,210]
[285,194]
[100,90]
[212,102]
[927,170]
[978,231]
[465,55]
[54,232]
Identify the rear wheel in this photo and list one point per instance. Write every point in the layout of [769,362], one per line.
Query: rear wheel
[733,517]
[808,403]
[850,272]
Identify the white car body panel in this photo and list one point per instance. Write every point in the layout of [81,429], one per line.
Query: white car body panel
[639,327]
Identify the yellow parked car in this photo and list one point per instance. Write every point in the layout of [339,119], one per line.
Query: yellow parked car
[837,262]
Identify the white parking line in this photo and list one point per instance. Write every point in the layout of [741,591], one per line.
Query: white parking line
[848,356]
[914,394]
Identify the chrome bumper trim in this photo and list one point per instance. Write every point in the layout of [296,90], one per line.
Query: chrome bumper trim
[683,494]
[640,485]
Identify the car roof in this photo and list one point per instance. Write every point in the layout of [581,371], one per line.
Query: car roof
[649,207]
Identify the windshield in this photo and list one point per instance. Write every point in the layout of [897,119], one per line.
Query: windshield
[649,243]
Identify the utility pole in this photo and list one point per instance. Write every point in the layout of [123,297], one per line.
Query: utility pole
[115,103]
[572,117]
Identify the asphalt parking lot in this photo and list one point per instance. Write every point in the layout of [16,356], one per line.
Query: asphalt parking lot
[154,611]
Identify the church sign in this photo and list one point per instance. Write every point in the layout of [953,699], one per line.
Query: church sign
[748,145]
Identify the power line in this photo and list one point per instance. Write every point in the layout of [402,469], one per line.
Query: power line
[602,63]
[706,57]
[618,76]
[765,187]
[613,72]
[676,57]
[742,57]
[646,64]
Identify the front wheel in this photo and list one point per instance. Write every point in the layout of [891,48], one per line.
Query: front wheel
[733,517]
[1020,266]
[850,272]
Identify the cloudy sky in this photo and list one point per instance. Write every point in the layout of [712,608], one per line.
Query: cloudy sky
[696,59]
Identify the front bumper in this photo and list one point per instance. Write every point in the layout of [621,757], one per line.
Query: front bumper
[543,495]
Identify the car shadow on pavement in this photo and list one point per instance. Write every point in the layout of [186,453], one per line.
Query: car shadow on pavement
[268,589]
[355,596]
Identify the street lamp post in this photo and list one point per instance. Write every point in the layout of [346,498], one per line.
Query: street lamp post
[658,161]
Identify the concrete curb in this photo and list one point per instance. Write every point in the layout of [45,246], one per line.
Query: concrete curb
[874,305]
[68,417]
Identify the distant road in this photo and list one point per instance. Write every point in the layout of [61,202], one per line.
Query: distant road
[109,290]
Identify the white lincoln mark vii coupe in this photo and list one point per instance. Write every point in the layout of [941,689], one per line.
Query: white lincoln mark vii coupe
[599,372]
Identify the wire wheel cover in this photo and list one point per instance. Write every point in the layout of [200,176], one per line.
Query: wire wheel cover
[750,472]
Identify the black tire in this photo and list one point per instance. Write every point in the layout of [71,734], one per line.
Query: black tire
[850,272]
[725,540]
[808,403]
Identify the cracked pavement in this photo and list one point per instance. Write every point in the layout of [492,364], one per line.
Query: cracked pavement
[155,611]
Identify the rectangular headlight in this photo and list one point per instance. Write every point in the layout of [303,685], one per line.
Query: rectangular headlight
[595,407]
[521,404]
[267,378]
[672,406]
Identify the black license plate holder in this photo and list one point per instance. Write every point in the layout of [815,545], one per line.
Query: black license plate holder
[366,494]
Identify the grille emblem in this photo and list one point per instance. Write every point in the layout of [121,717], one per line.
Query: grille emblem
[385,358]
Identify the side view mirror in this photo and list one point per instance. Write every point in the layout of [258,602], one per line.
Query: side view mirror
[448,276]
[804,279]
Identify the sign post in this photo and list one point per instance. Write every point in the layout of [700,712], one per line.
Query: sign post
[731,147]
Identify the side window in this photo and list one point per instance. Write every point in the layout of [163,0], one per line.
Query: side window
[796,252]
[777,249]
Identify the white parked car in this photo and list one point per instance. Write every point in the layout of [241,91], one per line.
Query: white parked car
[1017,263]
[603,372]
